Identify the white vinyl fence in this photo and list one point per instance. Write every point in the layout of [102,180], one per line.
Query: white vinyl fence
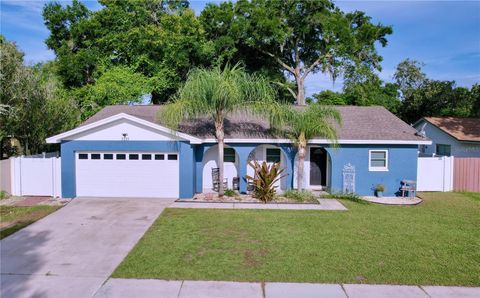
[29,176]
[435,173]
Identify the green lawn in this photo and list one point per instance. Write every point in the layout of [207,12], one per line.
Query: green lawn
[14,218]
[436,242]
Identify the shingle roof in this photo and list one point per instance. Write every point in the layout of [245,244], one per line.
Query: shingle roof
[462,129]
[358,123]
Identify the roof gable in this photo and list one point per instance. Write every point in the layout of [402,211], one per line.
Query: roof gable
[121,127]
[462,129]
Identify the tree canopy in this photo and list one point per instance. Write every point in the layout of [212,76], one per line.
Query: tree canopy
[299,37]
[34,104]
[157,39]
[411,96]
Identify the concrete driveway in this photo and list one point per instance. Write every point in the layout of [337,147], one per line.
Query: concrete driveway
[74,250]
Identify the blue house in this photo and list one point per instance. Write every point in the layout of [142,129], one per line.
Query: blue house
[451,136]
[125,151]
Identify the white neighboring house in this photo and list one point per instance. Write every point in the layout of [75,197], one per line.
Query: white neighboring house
[451,136]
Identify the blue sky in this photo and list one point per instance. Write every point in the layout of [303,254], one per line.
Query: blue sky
[445,35]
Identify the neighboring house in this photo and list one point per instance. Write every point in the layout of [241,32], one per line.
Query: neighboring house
[125,151]
[451,136]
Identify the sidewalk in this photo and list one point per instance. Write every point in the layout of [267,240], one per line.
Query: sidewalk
[221,289]
[325,204]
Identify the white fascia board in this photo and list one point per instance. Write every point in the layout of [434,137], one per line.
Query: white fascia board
[323,141]
[58,138]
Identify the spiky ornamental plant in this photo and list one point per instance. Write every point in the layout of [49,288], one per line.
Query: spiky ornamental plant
[301,124]
[264,179]
[214,93]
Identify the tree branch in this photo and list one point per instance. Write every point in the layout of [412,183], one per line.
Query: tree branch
[288,89]
[311,67]
[279,61]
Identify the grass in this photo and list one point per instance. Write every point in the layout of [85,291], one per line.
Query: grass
[434,243]
[21,217]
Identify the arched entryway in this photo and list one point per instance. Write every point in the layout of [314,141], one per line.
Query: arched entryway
[271,154]
[317,169]
[210,160]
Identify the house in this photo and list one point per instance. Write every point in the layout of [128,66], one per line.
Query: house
[451,136]
[125,151]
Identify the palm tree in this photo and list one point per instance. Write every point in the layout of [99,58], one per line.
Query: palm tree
[301,124]
[214,93]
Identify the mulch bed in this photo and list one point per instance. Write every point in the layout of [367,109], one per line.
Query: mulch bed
[240,198]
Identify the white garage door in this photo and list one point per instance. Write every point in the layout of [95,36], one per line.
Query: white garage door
[127,174]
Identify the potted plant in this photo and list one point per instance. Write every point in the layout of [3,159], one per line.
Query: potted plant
[379,189]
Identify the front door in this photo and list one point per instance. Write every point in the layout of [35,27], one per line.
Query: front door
[318,166]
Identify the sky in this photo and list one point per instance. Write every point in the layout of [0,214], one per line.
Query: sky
[445,35]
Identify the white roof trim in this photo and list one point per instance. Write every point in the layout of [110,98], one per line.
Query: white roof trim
[58,138]
[325,141]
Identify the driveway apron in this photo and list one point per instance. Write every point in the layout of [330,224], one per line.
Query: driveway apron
[74,250]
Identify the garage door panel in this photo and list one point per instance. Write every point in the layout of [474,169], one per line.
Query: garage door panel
[127,178]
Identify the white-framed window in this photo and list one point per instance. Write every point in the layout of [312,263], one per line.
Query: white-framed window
[378,160]
[273,155]
[443,149]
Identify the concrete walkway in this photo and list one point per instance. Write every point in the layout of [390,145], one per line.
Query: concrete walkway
[394,200]
[325,204]
[71,252]
[221,289]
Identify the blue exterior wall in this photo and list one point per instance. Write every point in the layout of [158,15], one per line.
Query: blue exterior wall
[243,151]
[402,164]
[185,151]
[438,136]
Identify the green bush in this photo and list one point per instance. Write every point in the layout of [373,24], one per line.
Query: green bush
[348,196]
[264,180]
[300,196]
[230,193]
[4,195]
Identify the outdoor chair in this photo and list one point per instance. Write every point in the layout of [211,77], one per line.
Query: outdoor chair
[216,180]
[409,187]
[236,183]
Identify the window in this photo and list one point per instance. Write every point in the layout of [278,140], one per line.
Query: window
[133,156]
[146,156]
[273,155]
[444,150]
[121,156]
[95,156]
[229,155]
[159,157]
[378,160]
[172,157]
[108,156]
[83,156]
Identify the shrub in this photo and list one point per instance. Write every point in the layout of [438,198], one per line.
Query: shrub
[299,196]
[4,195]
[265,178]
[230,193]
[348,196]
[380,188]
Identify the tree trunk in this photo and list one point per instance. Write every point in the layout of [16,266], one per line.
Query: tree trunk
[301,163]
[302,149]
[300,90]
[220,138]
